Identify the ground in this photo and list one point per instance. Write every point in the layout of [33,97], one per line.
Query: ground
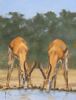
[37,79]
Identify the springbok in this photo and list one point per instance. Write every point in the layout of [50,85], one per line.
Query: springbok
[57,53]
[17,49]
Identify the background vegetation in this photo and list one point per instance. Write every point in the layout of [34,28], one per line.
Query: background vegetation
[38,31]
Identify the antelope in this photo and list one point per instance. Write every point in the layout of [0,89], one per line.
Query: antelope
[57,53]
[17,49]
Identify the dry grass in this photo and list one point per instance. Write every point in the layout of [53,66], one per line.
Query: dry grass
[37,78]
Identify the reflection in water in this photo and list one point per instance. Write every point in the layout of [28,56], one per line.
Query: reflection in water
[36,95]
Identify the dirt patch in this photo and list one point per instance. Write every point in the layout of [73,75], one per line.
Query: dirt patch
[37,80]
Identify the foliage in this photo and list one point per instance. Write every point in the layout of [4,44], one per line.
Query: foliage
[38,31]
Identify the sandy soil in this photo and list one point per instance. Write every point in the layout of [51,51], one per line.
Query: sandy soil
[37,79]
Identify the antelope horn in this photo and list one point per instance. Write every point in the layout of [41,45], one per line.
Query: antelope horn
[26,73]
[49,71]
[41,69]
[32,68]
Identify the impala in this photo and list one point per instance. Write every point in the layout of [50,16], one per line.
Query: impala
[57,53]
[18,49]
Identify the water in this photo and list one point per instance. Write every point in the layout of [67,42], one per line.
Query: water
[36,95]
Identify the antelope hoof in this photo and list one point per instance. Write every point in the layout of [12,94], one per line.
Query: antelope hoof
[45,83]
[7,85]
[29,85]
[68,88]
